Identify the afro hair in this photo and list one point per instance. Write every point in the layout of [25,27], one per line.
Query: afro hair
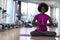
[43,5]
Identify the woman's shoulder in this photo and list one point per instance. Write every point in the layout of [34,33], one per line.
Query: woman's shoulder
[47,15]
[38,14]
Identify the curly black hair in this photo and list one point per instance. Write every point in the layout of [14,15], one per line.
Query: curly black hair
[42,5]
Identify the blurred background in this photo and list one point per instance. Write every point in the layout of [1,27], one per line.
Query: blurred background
[25,10]
[20,13]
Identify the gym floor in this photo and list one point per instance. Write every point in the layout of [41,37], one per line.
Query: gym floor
[13,34]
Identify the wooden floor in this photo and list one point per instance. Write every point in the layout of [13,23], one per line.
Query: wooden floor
[13,34]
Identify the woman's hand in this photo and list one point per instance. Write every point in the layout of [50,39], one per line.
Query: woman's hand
[42,23]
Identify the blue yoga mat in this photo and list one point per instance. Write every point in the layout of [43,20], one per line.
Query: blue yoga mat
[40,36]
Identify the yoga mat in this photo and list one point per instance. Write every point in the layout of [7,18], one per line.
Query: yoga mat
[36,36]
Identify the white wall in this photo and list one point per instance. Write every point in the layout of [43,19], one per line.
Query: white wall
[10,11]
[59,15]
[0,10]
[0,3]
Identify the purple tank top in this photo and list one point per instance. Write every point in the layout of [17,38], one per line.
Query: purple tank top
[42,19]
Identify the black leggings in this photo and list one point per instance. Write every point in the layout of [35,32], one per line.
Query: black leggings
[43,33]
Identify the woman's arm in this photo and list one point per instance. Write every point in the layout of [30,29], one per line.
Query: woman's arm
[50,22]
[34,21]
